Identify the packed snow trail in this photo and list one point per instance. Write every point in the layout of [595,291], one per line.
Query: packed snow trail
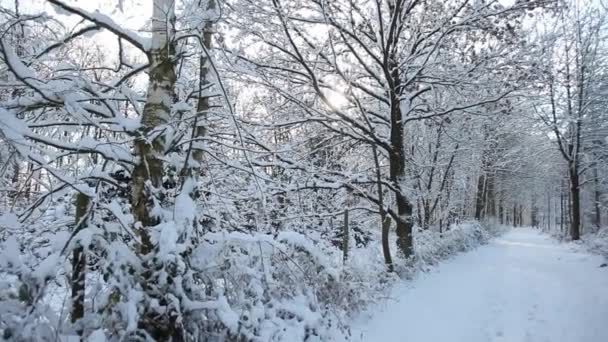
[521,287]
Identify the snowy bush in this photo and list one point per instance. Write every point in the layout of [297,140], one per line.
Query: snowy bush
[432,246]
[598,242]
[237,287]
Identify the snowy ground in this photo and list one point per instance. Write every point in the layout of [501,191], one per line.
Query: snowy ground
[521,287]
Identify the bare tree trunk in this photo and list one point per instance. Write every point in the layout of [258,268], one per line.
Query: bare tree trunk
[555,210]
[79,261]
[479,197]
[19,35]
[597,198]
[521,215]
[419,207]
[501,209]
[426,220]
[568,227]
[202,107]
[562,207]
[386,226]
[548,211]
[543,222]
[404,221]
[534,213]
[345,237]
[575,227]
[491,197]
[385,219]
[15,179]
[150,149]
[428,211]
[147,174]
[28,182]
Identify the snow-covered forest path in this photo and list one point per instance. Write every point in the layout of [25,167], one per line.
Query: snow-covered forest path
[523,286]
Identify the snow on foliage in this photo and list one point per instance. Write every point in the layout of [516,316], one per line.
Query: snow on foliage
[432,246]
[256,287]
[595,241]
[256,170]
[598,242]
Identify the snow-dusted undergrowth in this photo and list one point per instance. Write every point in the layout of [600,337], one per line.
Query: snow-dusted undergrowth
[597,242]
[594,241]
[432,246]
[257,287]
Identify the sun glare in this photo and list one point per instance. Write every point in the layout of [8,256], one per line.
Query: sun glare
[337,99]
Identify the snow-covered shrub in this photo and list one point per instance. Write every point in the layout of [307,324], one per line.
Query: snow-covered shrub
[285,288]
[230,286]
[26,277]
[432,246]
[598,242]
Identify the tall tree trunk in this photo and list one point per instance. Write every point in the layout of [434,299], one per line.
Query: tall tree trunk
[426,220]
[404,220]
[479,197]
[521,215]
[148,172]
[202,107]
[533,212]
[419,207]
[597,198]
[28,182]
[568,228]
[491,197]
[575,224]
[548,211]
[79,261]
[555,210]
[562,207]
[19,38]
[345,237]
[501,210]
[149,147]
[14,194]
[384,218]
[428,211]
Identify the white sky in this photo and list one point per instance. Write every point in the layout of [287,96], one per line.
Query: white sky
[133,13]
